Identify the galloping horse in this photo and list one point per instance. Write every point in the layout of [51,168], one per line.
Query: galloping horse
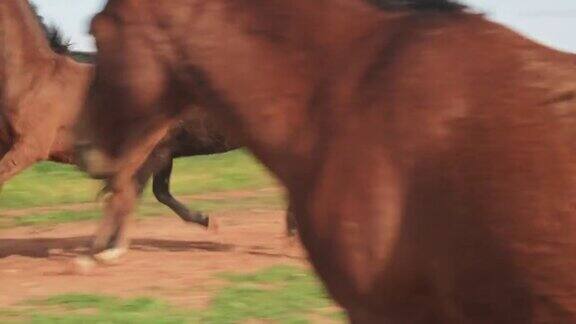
[428,152]
[42,91]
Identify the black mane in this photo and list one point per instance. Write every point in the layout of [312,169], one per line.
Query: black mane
[58,42]
[421,5]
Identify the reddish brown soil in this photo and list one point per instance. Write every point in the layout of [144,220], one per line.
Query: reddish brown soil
[168,259]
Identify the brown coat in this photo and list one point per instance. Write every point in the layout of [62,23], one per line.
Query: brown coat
[428,153]
[41,93]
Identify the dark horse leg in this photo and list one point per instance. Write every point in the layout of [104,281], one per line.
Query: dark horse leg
[3,150]
[291,229]
[161,189]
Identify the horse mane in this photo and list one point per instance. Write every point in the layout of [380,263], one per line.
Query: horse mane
[419,5]
[59,43]
[56,39]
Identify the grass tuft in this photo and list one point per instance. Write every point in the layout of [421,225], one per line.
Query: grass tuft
[280,294]
[50,184]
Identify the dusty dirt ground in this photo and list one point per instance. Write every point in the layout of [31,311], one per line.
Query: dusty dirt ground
[168,258]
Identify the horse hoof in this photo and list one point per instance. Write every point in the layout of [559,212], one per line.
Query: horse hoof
[110,256]
[291,233]
[213,225]
[102,197]
[290,241]
[81,265]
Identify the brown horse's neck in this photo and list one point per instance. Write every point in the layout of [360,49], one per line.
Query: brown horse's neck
[24,48]
[282,51]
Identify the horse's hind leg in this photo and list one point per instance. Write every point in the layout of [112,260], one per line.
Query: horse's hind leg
[161,189]
[3,150]
[291,229]
[291,226]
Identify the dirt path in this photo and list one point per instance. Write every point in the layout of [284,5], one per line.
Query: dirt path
[168,259]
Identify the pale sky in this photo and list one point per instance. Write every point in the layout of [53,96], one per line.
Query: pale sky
[552,22]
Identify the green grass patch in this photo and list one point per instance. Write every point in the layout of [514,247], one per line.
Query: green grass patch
[10,316]
[49,184]
[235,170]
[76,301]
[268,201]
[56,217]
[86,308]
[150,208]
[280,294]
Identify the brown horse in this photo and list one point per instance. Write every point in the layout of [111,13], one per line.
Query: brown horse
[42,92]
[428,153]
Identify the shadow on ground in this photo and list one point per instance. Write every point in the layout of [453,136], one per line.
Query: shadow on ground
[45,247]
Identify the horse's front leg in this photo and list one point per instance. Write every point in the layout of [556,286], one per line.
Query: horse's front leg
[112,239]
